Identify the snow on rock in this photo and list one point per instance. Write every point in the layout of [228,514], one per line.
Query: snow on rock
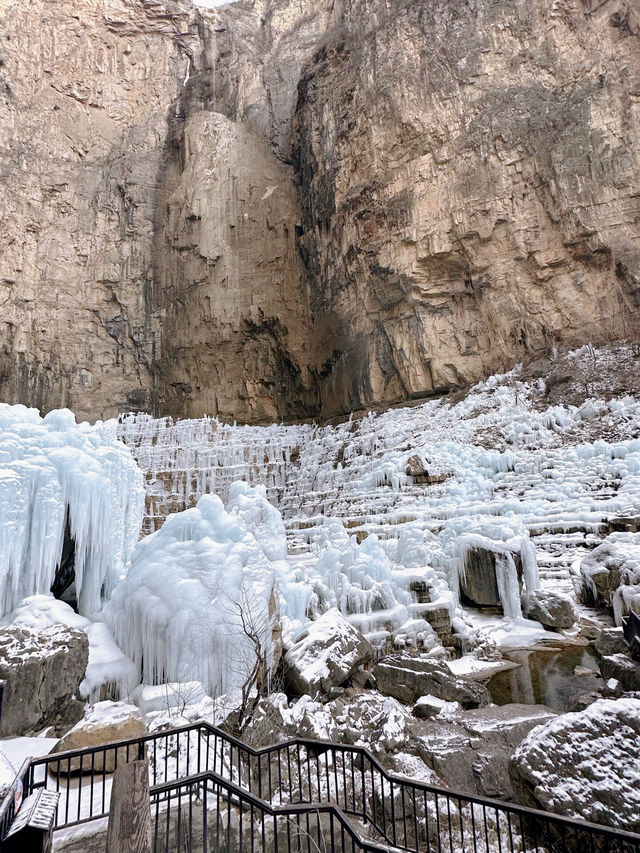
[549,608]
[103,723]
[327,654]
[42,671]
[612,574]
[52,469]
[407,678]
[377,722]
[194,593]
[108,669]
[151,698]
[606,566]
[585,764]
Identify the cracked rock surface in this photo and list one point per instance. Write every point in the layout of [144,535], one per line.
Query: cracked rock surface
[285,208]
[42,671]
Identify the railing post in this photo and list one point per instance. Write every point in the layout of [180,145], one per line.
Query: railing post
[130,813]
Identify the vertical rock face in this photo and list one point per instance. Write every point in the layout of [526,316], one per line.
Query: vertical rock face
[469,175]
[86,91]
[283,207]
[236,337]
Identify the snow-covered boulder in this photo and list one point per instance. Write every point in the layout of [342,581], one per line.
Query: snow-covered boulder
[610,641]
[109,672]
[104,722]
[408,678]
[584,764]
[470,750]
[58,476]
[614,561]
[198,597]
[42,672]
[549,608]
[326,655]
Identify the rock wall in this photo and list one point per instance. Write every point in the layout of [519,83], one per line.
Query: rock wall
[281,208]
[469,176]
[86,88]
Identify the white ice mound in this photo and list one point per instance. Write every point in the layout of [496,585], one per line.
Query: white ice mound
[52,468]
[196,589]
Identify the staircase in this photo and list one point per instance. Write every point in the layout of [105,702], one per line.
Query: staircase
[211,792]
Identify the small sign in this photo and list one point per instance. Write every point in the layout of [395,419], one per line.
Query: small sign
[33,824]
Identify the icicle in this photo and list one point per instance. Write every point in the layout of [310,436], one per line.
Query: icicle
[51,468]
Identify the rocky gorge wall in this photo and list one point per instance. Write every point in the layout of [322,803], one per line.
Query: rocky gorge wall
[281,209]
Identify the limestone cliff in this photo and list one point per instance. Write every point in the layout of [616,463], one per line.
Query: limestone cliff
[469,174]
[86,91]
[282,208]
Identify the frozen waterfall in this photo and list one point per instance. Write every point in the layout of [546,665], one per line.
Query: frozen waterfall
[51,470]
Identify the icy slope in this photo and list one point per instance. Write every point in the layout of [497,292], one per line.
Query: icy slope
[505,468]
[52,466]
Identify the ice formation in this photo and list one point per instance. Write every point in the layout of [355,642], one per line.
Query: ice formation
[194,593]
[52,469]
[386,549]
[616,562]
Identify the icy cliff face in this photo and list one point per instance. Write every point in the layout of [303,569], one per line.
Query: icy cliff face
[53,469]
[501,469]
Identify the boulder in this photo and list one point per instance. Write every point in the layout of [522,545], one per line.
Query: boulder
[551,609]
[582,700]
[422,476]
[622,668]
[428,706]
[471,751]
[42,671]
[326,656]
[603,569]
[584,764]
[416,467]
[409,678]
[104,723]
[610,641]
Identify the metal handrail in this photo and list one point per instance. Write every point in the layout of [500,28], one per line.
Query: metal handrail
[388,802]
[241,796]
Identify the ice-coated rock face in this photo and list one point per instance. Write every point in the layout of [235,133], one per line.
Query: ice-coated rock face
[584,764]
[263,211]
[42,672]
[328,653]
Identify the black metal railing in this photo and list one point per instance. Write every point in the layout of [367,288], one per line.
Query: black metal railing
[301,778]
